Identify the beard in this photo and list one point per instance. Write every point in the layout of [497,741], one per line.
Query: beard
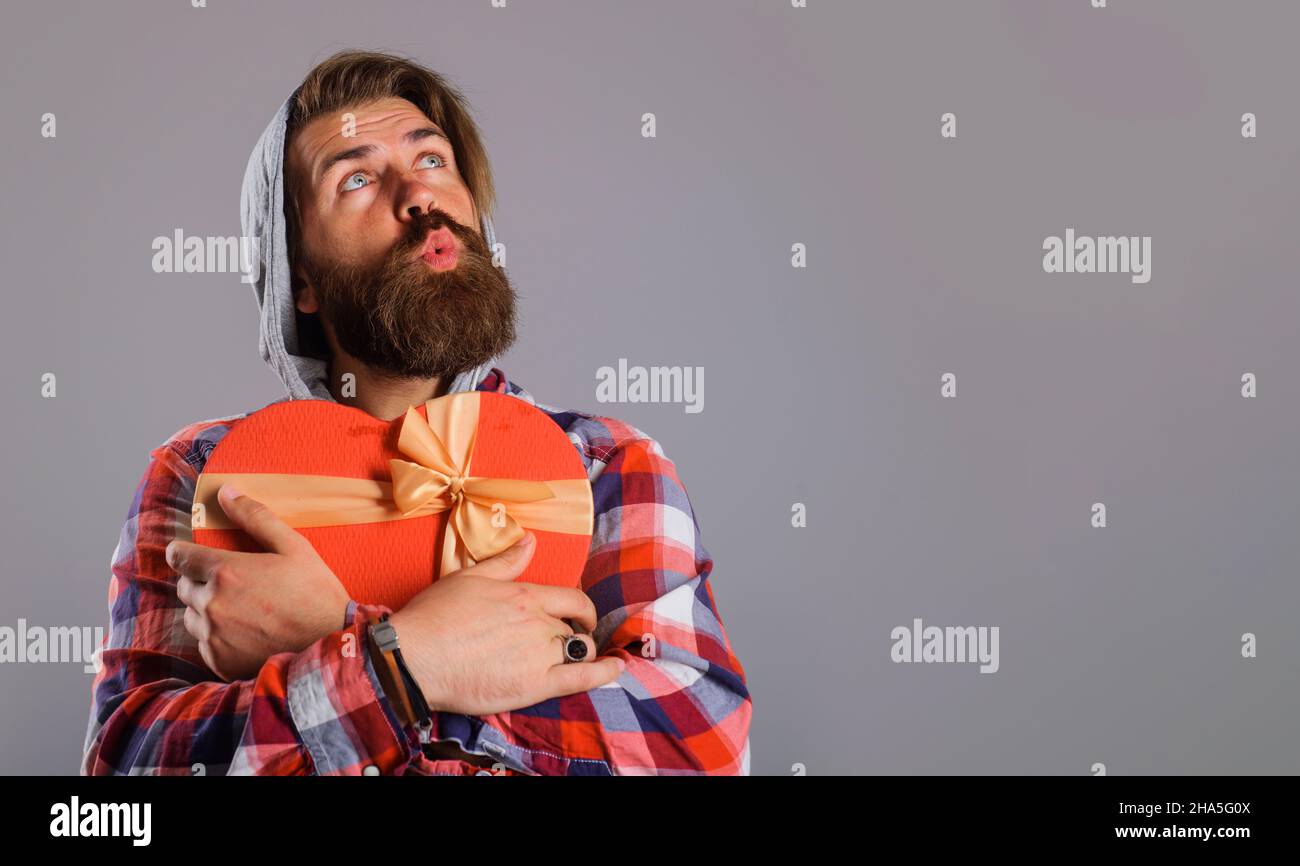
[402,317]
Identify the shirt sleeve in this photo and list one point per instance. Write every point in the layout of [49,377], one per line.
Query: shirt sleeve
[681,706]
[157,709]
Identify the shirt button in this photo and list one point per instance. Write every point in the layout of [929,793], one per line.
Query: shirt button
[370,770]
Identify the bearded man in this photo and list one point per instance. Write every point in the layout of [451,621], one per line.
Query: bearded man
[370,193]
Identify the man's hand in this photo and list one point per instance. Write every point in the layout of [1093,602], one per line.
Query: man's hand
[479,643]
[244,608]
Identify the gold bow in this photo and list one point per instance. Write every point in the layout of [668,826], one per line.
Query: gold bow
[487,516]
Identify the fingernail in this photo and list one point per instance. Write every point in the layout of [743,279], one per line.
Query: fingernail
[230,492]
[622,665]
[167,553]
[528,539]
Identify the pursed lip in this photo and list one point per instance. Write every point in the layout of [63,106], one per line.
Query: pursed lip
[441,249]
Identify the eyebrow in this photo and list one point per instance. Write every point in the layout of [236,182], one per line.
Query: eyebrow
[362,151]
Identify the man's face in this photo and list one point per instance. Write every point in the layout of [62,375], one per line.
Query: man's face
[391,252]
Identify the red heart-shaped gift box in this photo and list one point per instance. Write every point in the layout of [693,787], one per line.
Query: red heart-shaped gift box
[305,444]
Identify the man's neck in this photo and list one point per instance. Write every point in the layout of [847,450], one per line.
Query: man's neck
[376,393]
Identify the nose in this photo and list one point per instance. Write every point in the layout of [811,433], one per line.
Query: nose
[414,199]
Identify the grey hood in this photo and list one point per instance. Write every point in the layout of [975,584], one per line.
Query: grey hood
[262,217]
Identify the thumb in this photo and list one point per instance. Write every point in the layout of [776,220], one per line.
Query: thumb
[272,533]
[509,563]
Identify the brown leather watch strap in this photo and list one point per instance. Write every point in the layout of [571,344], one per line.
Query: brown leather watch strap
[390,678]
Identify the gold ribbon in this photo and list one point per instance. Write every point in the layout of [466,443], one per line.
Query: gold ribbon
[487,514]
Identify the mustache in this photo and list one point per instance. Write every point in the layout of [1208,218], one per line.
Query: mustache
[417,230]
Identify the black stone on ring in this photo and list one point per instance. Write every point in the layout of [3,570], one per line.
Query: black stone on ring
[575,649]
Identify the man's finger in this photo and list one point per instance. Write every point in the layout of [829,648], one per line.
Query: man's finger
[195,624]
[509,563]
[193,593]
[196,561]
[257,520]
[564,602]
[570,679]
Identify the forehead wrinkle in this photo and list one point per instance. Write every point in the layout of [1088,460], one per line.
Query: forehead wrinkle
[337,139]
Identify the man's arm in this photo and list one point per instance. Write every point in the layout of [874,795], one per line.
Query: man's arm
[682,705]
[156,706]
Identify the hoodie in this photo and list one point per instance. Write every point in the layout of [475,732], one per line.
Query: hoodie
[262,216]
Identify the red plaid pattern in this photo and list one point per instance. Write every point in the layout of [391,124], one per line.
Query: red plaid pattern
[680,707]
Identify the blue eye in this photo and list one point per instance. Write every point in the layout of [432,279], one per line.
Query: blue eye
[347,187]
[441,161]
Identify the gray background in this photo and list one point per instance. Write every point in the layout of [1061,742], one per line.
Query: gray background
[775,125]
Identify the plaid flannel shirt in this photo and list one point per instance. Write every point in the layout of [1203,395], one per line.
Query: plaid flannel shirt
[683,708]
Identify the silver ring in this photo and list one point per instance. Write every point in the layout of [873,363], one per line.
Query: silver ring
[575,648]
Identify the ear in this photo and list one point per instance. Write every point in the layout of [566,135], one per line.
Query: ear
[305,297]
